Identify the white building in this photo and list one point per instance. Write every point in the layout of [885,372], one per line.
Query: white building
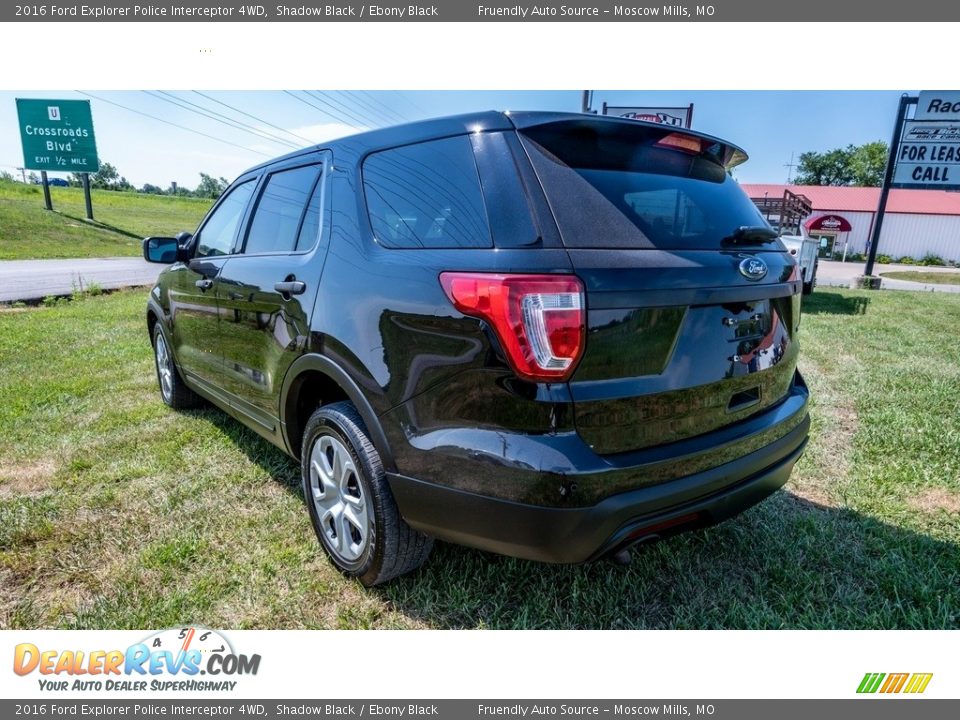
[917,222]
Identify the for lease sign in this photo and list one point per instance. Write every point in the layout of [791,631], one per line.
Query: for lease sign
[929,155]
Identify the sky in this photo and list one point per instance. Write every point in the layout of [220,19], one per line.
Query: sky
[159,137]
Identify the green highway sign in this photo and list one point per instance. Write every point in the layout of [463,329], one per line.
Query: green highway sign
[57,135]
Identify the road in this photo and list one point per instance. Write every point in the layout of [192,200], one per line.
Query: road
[35,279]
[832,273]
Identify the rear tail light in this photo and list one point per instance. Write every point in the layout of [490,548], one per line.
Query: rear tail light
[539,319]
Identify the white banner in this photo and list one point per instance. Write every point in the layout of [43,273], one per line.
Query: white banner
[468,664]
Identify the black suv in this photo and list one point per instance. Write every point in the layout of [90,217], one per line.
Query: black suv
[545,335]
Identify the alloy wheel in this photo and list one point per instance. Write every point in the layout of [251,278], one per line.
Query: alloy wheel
[339,499]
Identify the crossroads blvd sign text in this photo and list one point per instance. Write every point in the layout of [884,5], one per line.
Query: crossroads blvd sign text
[57,135]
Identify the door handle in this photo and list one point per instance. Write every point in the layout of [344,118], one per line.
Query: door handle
[204,284]
[290,287]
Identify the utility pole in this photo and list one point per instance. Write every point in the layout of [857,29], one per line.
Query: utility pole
[23,174]
[790,166]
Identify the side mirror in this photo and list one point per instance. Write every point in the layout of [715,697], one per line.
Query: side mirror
[160,250]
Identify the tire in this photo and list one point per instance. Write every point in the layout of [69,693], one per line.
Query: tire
[351,507]
[173,391]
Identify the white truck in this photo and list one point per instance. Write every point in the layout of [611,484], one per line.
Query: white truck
[805,250]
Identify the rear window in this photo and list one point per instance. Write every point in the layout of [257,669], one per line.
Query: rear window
[426,196]
[611,186]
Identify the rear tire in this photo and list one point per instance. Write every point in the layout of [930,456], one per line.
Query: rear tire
[173,391]
[351,507]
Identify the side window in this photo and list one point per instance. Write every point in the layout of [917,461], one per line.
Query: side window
[310,227]
[278,219]
[426,196]
[220,229]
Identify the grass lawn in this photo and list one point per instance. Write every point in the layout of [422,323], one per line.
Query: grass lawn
[921,276]
[122,220]
[116,512]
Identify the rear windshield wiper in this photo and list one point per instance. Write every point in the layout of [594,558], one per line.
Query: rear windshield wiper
[749,234]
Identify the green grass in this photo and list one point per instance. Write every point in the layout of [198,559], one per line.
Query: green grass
[920,276]
[118,512]
[122,220]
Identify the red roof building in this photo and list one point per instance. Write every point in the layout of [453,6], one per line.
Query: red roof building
[917,222]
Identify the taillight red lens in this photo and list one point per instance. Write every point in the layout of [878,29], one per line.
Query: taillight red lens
[539,319]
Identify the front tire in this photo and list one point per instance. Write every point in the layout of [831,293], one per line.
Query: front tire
[351,507]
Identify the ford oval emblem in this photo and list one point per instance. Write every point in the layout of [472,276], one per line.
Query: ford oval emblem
[753,268]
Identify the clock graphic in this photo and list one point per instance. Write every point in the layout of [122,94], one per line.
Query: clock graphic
[183,639]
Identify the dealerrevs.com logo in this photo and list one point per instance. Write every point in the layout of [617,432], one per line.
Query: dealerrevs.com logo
[178,659]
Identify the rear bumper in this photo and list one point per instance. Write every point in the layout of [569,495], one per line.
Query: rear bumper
[578,534]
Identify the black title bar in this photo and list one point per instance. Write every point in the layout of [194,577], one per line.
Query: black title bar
[486,11]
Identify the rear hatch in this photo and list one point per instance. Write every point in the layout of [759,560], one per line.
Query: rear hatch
[692,302]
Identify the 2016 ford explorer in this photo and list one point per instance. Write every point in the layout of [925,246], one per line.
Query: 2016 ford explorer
[546,335]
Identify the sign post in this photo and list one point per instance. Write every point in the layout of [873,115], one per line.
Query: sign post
[46,190]
[58,135]
[905,102]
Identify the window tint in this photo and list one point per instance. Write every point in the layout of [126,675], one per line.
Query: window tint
[618,186]
[426,196]
[310,228]
[220,229]
[276,221]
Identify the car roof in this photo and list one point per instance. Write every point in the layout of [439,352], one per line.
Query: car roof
[486,121]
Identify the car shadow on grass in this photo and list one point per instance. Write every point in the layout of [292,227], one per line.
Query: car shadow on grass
[835,304]
[786,563]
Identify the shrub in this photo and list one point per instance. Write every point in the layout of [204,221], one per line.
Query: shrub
[931,259]
[855,257]
[907,260]
[884,259]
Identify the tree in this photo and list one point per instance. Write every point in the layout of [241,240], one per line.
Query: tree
[107,177]
[861,165]
[210,187]
[151,189]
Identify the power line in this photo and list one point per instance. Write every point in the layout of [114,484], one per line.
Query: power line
[220,118]
[329,102]
[315,107]
[254,117]
[173,124]
[382,109]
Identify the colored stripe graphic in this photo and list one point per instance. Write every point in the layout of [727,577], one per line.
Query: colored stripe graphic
[918,682]
[870,682]
[894,683]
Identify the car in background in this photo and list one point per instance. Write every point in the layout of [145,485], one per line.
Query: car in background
[805,250]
